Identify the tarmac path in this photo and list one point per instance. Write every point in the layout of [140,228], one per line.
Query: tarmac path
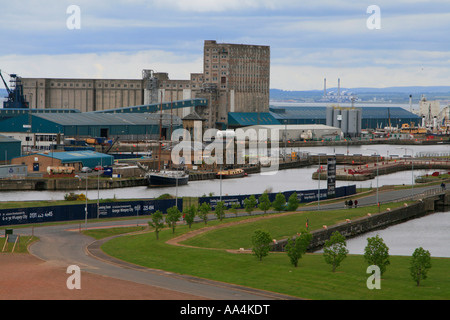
[64,246]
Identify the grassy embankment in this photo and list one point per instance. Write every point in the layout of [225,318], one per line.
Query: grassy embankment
[313,279]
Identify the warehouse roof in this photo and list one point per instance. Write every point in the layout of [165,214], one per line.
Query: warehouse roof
[108,119]
[251,118]
[312,112]
[88,158]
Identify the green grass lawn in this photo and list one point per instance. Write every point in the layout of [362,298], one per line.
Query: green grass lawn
[279,227]
[313,279]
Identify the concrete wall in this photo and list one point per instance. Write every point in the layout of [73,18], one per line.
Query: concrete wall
[373,222]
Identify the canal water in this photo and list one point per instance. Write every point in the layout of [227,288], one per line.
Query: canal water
[431,233]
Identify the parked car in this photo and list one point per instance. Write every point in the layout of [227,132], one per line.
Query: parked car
[86,170]
[98,168]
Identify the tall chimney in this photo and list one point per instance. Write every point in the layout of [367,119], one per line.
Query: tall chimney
[339,89]
[325,87]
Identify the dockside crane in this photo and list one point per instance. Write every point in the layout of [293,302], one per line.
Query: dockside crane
[15,99]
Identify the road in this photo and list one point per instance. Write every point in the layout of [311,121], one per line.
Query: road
[65,246]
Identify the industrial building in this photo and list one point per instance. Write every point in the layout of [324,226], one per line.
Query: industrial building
[107,125]
[9,148]
[299,132]
[370,117]
[236,78]
[39,162]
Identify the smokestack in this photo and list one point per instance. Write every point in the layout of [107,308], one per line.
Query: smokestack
[325,87]
[339,90]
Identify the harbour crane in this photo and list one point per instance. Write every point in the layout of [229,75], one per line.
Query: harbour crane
[15,99]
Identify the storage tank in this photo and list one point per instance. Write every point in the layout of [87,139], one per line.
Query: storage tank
[359,121]
[352,122]
[337,117]
[344,123]
[330,115]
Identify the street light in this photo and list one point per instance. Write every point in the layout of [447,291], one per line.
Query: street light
[412,168]
[378,203]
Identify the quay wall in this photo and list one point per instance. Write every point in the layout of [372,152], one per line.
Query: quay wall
[68,184]
[374,221]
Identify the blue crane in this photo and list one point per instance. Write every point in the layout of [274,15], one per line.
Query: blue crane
[15,99]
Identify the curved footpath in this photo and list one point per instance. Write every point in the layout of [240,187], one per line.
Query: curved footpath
[64,246]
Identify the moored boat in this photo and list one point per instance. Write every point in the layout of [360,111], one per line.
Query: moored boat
[232,173]
[167,179]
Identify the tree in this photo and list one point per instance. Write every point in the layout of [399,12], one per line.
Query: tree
[293,202]
[377,253]
[261,241]
[173,216]
[296,248]
[220,210]
[189,215]
[234,208]
[279,202]
[157,222]
[420,263]
[264,202]
[250,204]
[335,250]
[203,211]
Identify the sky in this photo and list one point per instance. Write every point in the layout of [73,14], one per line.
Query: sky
[309,40]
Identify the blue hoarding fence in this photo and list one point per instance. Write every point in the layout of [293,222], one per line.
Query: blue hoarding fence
[77,212]
[302,196]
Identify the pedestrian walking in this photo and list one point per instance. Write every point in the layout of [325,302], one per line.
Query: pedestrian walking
[356,203]
[350,203]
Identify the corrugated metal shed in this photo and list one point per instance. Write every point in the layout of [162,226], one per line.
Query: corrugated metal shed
[240,119]
[88,158]
[94,124]
[372,117]
[9,148]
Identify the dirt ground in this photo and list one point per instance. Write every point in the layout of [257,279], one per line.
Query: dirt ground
[25,277]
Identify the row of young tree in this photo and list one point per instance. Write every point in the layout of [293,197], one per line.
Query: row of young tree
[376,253]
[250,204]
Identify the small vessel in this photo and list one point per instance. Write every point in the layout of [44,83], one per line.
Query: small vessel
[231,173]
[167,178]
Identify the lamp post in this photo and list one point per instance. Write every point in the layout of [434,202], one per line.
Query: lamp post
[412,168]
[376,153]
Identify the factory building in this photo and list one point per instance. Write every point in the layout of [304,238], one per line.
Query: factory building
[367,118]
[299,132]
[9,148]
[107,125]
[236,78]
[39,162]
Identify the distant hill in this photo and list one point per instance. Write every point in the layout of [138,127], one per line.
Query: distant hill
[391,94]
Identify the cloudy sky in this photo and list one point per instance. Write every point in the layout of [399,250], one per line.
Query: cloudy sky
[309,40]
